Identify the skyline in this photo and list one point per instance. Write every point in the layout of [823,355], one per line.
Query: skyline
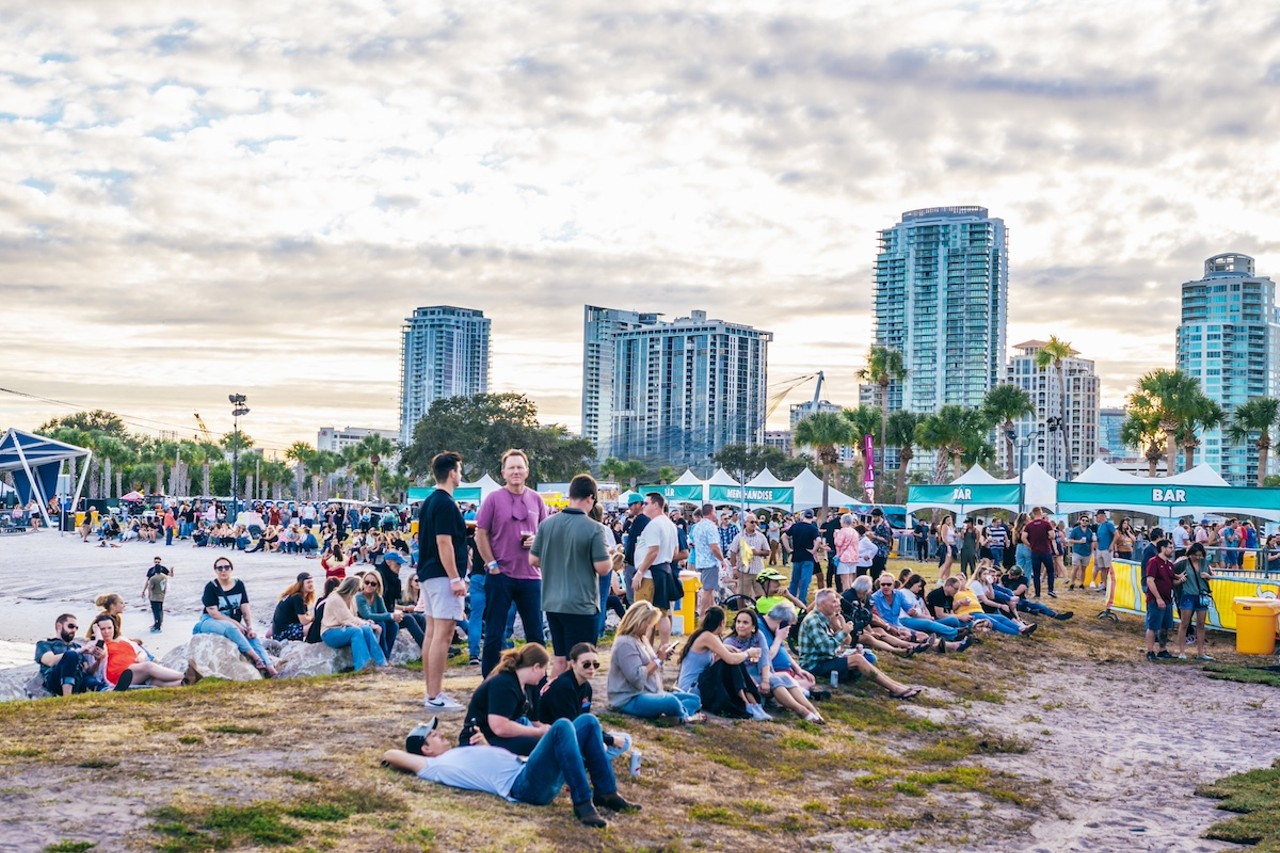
[300,178]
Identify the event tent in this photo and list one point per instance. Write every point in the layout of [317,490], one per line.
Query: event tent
[35,462]
[978,489]
[1102,472]
[808,495]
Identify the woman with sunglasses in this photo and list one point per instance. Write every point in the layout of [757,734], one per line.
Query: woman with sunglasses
[341,626]
[226,613]
[372,607]
[569,696]
[500,707]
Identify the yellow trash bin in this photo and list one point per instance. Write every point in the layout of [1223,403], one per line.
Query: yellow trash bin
[1250,562]
[692,583]
[79,518]
[1255,625]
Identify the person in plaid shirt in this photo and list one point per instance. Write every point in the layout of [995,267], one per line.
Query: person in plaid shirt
[824,648]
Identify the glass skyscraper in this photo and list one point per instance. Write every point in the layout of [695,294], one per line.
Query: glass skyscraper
[444,353]
[1229,339]
[600,326]
[942,299]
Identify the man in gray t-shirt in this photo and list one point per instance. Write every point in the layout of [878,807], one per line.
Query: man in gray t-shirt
[570,549]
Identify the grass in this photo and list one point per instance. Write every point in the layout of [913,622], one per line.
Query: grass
[70,847]
[1255,797]
[1243,674]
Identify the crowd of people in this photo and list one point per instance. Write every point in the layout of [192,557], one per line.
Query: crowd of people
[763,645]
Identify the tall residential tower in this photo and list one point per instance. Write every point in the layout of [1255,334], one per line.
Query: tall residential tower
[600,327]
[444,353]
[1229,340]
[1045,390]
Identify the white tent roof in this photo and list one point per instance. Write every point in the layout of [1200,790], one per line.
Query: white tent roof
[766,479]
[688,478]
[1101,472]
[976,476]
[487,485]
[808,486]
[722,478]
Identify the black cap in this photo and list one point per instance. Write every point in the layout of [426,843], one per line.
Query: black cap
[303,576]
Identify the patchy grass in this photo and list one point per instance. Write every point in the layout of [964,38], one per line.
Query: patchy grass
[70,847]
[1255,796]
[1244,674]
[232,729]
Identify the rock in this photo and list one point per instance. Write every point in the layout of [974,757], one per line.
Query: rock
[21,682]
[303,659]
[406,650]
[217,657]
[176,658]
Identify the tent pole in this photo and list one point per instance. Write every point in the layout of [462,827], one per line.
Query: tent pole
[31,478]
[75,502]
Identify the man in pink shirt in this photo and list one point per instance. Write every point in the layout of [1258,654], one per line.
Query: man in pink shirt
[505,526]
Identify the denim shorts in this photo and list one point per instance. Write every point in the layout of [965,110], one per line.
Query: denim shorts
[1159,620]
[1191,604]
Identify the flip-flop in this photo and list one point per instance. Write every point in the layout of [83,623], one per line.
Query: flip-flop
[909,693]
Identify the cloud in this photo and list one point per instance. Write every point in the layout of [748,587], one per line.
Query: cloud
[256,196]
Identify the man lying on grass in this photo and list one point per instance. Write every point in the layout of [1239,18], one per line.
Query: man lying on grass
[569,753]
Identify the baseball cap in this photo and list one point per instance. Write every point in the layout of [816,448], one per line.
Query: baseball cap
[808,513]
[413,743]
[303,576]
[393,557]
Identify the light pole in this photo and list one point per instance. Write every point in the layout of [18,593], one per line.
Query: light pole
[238,410]
[1022,442]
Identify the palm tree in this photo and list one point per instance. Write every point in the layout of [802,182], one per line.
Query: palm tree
[376,448]
[299,453]
[950,432]
[825,432]
[1172,397]
[364,473]
[885,366]
[1255,417]
[863,420]
[666,474]
[1003,405]
[1142,429]
[902,435]
[1055,353]
[113,452]
[1206,414]
[631,470]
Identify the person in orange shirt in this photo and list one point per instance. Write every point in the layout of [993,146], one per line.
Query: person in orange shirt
[122,668]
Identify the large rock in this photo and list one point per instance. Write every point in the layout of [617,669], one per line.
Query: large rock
[302,659]
[21,682]
[406,650]
[176,658]
[217,657]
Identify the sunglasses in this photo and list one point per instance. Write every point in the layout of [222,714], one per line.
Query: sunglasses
[73,627]
[222,568]
[589,664]
[368,583]
[886,584]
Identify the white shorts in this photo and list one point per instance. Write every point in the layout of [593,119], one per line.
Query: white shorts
[437,600]
[843,568]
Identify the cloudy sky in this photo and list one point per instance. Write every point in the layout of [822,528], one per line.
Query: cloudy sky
[240,196]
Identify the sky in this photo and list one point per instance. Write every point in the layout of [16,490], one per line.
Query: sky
[200,199]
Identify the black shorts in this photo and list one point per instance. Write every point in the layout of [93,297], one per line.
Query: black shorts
[666,586]
[823,669]
[569,629]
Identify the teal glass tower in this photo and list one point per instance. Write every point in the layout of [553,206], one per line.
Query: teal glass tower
[1229,340]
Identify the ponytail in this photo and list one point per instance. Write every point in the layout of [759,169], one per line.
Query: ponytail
[530,654]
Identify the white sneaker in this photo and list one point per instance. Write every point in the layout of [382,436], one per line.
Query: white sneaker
[442,704]
[759,714]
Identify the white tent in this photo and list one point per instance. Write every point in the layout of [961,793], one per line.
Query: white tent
[808,486]
[688,478]
[487,486]
[766,480]
[976,476]
[722,478]
[1102,472]
[1039,489]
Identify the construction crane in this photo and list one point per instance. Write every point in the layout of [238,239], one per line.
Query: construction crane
[789,385]
[204,430]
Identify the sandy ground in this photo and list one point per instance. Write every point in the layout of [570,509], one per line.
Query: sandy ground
[44,574]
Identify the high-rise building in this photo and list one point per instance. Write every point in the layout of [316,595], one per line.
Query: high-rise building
[336,440]
[444,353]
[1229,340]
[1111,446]
[941,299]
[779,439]
[800,411]
[1081,420]
[685,389]
[600,327]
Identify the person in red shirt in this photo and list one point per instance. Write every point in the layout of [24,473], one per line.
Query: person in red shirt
[1037,536]
[1161,579]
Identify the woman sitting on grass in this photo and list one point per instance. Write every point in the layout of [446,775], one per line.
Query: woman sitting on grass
[340,626]
[569,697]
[371,608]
[122,668]
[775,671]
[983,586]
[635,672]
[716,673]
[500,707]
[967,608]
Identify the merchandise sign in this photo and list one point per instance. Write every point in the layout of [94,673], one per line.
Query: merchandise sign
[780,496]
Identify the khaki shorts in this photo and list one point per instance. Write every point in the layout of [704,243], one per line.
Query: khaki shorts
[1102,560]
[1078,562]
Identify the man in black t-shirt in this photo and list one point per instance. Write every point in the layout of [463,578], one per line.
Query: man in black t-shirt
[632,527]
[442,560]
[65,666]
[939,599]
[804,534]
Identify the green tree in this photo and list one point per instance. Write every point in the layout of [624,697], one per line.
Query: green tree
[1055,353]
[299,453]
[1141,428]
[751,459]
[885,366]
[1173,398]
[1252,421]
[951,432]
[666,474]
[825,432]
[1204,414]
[863,421]
[482,427]
[97,420]
[1003,405]
[376,448]
[902,435]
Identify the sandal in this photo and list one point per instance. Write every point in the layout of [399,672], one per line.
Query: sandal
[909,693]
[696,718]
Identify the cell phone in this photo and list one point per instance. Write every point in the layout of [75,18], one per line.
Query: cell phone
[101,644]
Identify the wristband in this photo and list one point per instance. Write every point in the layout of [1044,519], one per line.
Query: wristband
[455,580]
[491,565]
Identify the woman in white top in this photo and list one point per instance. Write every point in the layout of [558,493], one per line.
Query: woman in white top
[341,627]
[947,547]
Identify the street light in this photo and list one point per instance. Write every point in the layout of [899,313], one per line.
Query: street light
[1022,443]
[238,410]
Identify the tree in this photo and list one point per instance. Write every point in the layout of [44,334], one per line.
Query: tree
[299,453]
[824,432]
[631,470]
[482,427]
[902,435]
[1203,414]
[97,420]
[951,432]
[376,448]
[884,366]
[1003,405]
[1173,398]
[1141,428]
[863,421]
[1255,418]
[666,474]
[751,459]
[1055,353]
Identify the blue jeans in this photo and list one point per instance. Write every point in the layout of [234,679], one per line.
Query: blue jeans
[231,630]
[1022,559]
[1003,624]
[1038,560]
[672,704]
[475,621]
[501,592]
[1036,608]
[929,626]
[606,583]
[570,753]
[363,643]
[801,577]
[997,559]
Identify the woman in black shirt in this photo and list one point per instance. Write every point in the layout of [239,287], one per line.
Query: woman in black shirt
[569,696]
[500,707]
[226,613]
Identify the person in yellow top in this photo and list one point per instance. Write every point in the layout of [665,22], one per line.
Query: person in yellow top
[966,607]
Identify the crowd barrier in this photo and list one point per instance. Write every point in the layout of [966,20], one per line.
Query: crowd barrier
[1129,597]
